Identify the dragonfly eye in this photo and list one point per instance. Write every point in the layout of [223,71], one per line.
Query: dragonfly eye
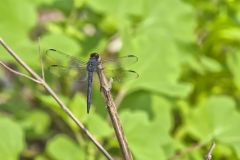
[94,55]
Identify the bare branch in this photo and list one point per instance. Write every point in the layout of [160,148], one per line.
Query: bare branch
[209,154]
[19,73]
[53,94]
[112,111]
[41,58]
[187,151]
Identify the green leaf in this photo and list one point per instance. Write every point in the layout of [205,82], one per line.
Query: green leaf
[203,64]
[41,2]
[156,42]
[159,111]
[60,42]
[15,105]
[79,3]
[64,5]
[12,139]
[230,34]
[78,106]
[139,100]
[210,64]
[122,8]
[158,108]
[50,103]
[99,126]
[17,20]
[117,12]
[233,62]
[182,15]
[62,147]
[145,137]
[16,17]
[216,118]
[36,123]
[161,108]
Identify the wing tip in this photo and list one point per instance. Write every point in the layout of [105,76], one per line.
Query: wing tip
[133,56]
[51,49]
[48,50]
[137,75]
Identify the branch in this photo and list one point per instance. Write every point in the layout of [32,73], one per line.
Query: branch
[112,111]
[187,151]
[209,154]
[19,73]
[36,77]
[41,59]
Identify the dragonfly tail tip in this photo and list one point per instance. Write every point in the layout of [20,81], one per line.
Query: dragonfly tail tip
[88,109]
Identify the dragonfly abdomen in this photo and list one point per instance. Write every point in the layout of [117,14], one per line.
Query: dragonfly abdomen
[89,90]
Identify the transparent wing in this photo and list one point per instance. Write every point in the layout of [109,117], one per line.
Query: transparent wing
[120,75]
[55,57]
[121,61]
[61,64]
[113,68]
[67,70]
[78,73]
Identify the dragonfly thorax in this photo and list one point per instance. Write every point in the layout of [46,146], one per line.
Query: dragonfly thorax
[92,64]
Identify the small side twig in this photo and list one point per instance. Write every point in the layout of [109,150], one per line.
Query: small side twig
[112,111]
[35,77]
[41,59]
[19,73]
[209,154]
[187,151]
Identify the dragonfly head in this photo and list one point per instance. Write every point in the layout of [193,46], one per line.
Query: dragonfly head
[94,55]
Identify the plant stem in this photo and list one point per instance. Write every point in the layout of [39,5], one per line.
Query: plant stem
[112,111]
[209,154]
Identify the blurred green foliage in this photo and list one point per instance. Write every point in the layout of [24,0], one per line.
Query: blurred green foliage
[187,95]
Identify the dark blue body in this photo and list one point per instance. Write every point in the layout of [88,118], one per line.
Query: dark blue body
[91,67]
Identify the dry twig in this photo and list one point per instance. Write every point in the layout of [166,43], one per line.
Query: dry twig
[35,77]
[112,111]
[41,59]
[19,73]
[187,151]
[209,154]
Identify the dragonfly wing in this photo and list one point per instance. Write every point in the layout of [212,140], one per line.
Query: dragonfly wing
[121,75]
[61,64]
[79,73]
[54,56]
[121,61]
[113,68]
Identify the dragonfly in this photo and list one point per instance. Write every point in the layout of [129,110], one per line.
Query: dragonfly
[88,68]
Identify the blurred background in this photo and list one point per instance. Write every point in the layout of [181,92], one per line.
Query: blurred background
[187,95]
